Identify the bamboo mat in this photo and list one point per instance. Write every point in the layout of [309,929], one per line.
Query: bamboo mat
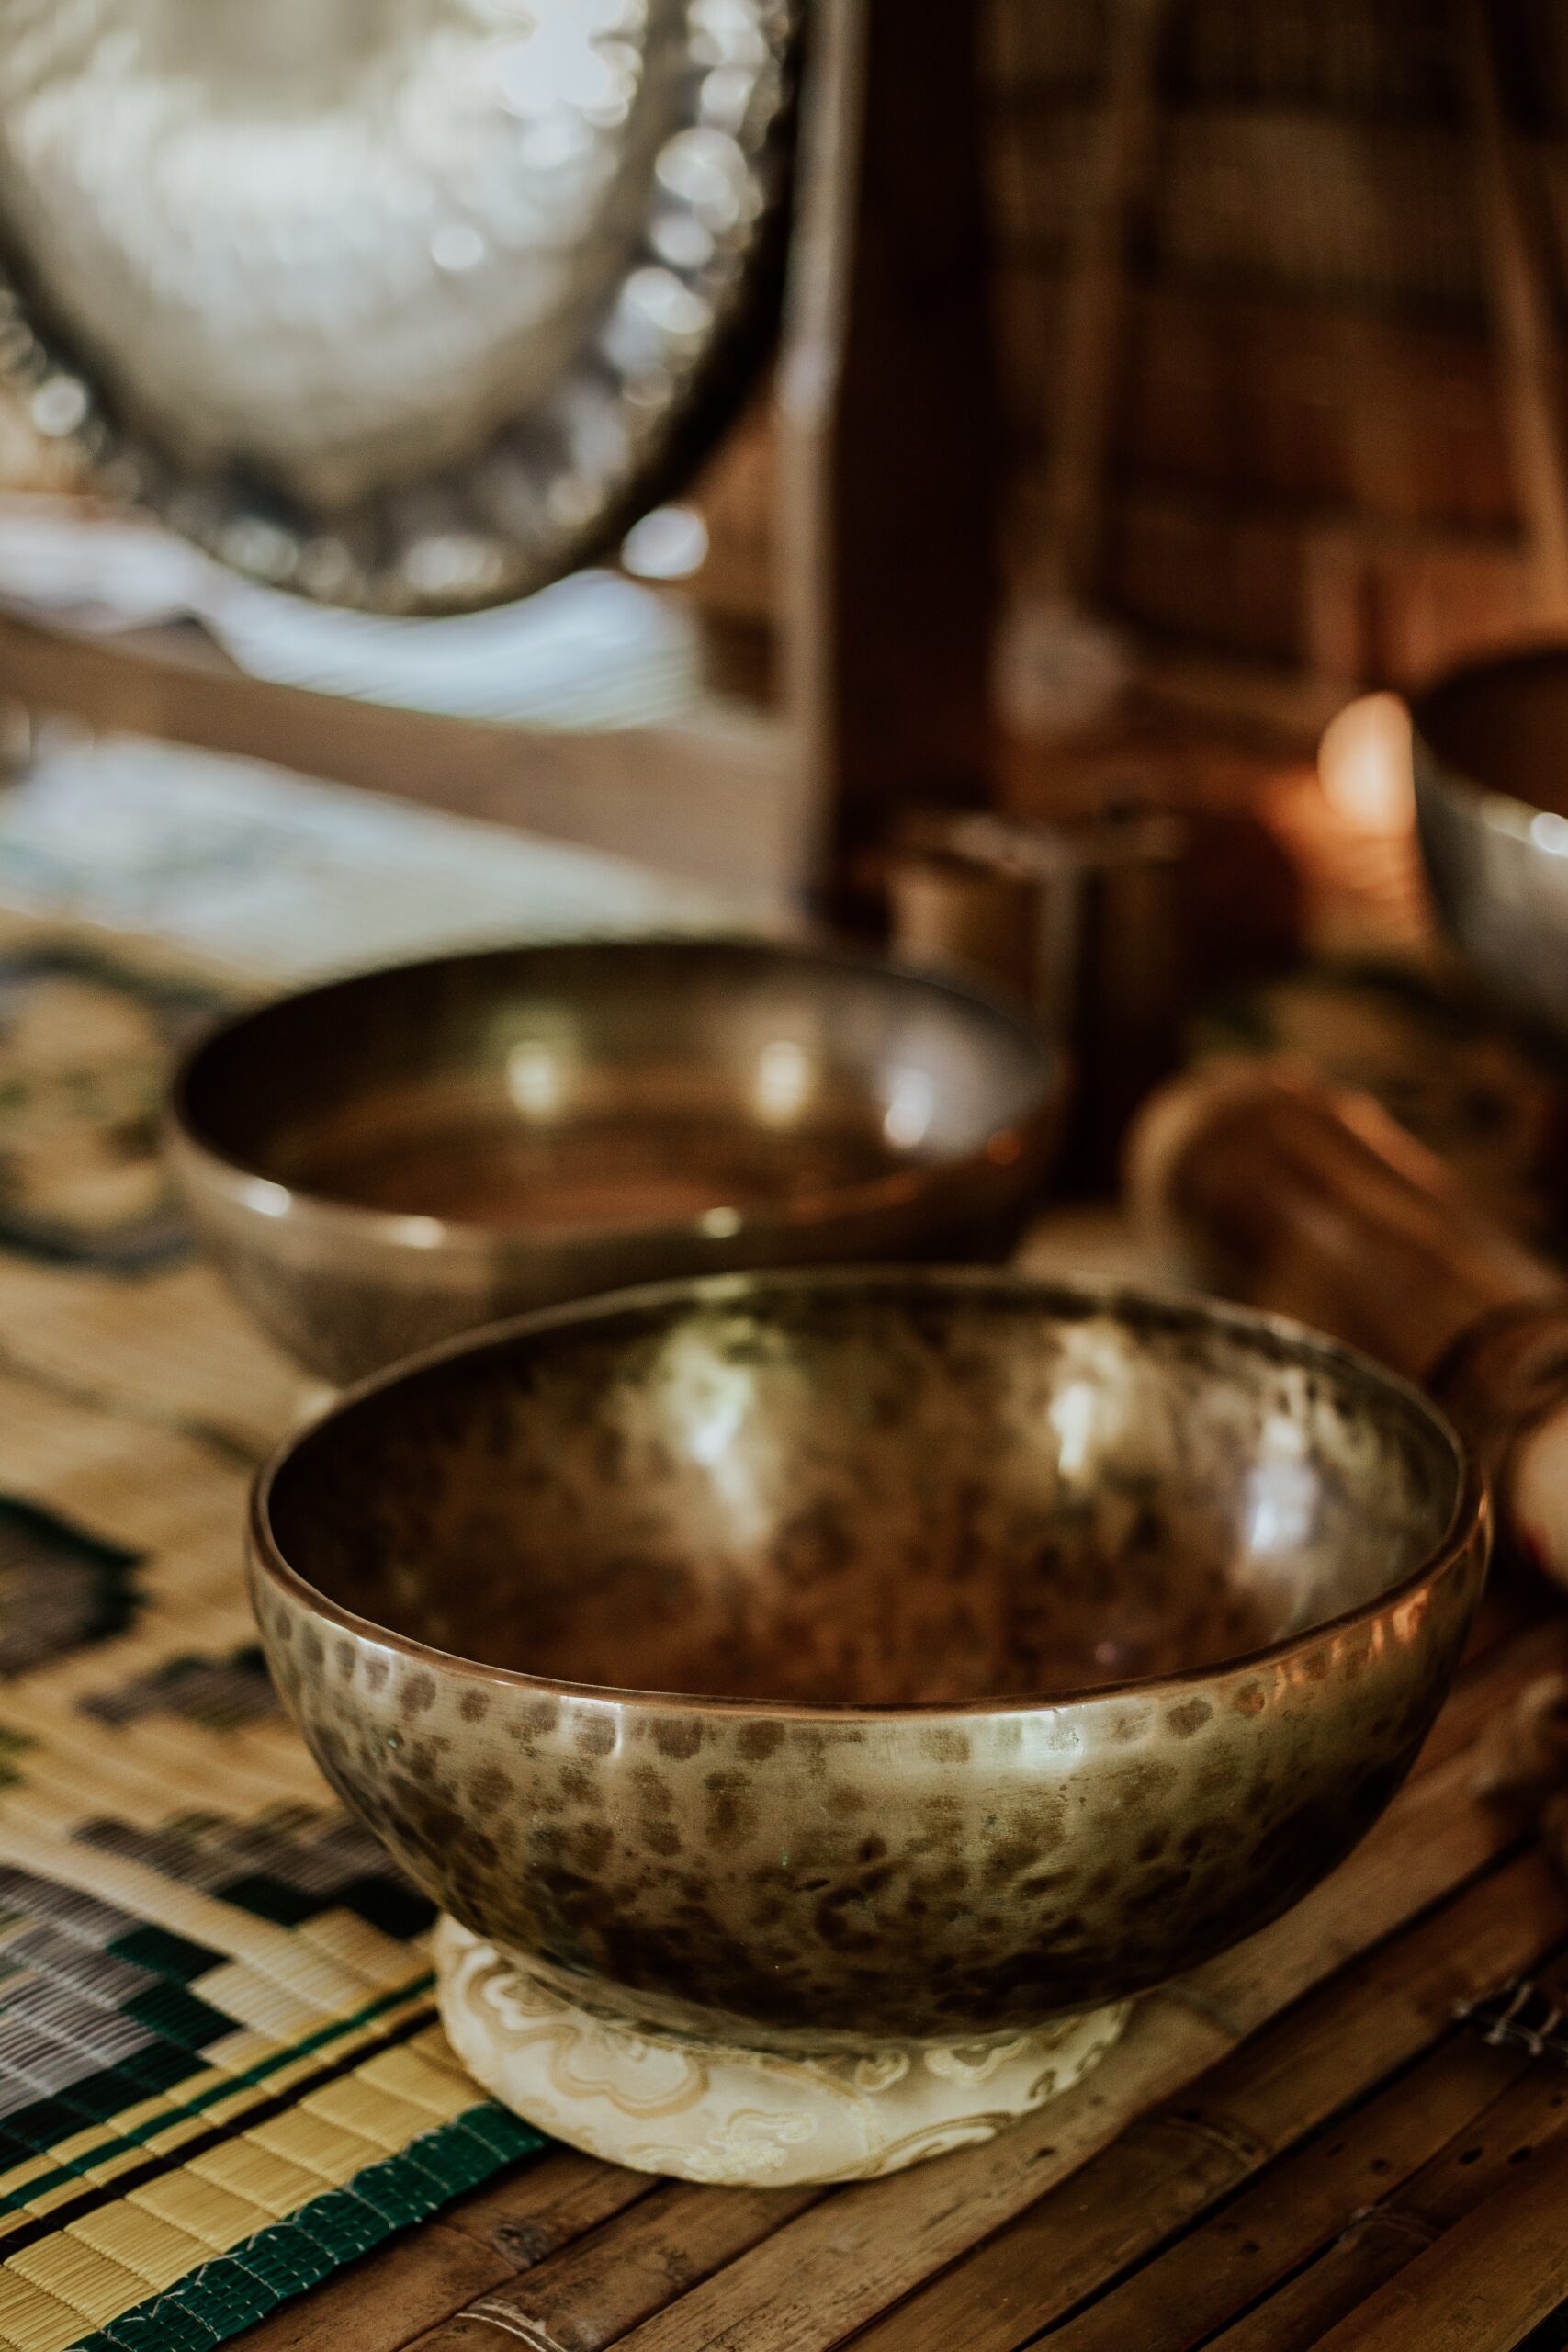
[220,2074]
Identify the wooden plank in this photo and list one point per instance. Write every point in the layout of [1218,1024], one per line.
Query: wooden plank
[1176,2302]
[1482,2158]
[590,2294]
[1486,2281]
[1300,2315]
[1498,1927]
[1172,2165]
[380,2303]
[555,2199]
[1524,2118]
[717,801]
[1162,2169]
[849,2255]
[842,2263]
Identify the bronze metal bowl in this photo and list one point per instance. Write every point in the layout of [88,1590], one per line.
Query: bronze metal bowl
[835,1660]
[1492,807]
[381,1163]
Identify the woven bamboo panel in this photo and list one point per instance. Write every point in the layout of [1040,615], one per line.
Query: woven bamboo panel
[1309,349]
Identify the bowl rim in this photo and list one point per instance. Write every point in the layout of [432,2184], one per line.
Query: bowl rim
[1469,1521]
[1007,1143]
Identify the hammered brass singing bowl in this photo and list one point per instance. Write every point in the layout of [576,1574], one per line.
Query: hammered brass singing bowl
[817,1662]
[386,1161]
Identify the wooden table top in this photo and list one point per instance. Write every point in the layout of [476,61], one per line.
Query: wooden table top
[1300,2144]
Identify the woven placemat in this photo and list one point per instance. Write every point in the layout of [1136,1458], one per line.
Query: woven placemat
[220,2072]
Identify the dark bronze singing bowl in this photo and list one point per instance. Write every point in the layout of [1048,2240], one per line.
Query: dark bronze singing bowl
[824,1659]
[386,1161]
[1492,807]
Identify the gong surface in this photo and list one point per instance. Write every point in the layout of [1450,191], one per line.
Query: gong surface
[405,303]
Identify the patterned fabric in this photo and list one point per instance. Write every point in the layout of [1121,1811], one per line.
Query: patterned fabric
[85,1043]
[219,2070]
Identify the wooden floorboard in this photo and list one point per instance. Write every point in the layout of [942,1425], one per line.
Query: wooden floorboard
[1287,2082]
[1484,2155]
[593,2293]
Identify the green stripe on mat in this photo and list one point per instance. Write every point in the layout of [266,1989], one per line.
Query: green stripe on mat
[180,2110]
[235,2289]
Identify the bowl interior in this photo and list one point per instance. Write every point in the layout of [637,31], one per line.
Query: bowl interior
[617,1085]
[878,1492]
[1503,725]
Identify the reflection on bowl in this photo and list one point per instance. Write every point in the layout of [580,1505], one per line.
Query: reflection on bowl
[1492,809]
[829,1661]
[384,1163]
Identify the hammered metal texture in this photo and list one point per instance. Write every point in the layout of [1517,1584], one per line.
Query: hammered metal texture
[1061,1639]
[382,1163]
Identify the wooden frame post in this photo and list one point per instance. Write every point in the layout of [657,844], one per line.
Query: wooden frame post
[888,478]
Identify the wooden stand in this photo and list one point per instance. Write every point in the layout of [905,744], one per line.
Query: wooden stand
[659,2101]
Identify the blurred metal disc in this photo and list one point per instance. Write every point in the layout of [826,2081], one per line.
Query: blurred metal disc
[409,304]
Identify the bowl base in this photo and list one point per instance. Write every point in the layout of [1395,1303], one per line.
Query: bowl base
[660,2101]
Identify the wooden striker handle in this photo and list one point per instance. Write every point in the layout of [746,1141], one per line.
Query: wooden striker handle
[1277,1188]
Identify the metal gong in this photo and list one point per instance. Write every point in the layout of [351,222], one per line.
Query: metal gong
[409,304]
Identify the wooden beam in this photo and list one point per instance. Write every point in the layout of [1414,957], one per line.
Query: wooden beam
[887,447]
[715,802]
